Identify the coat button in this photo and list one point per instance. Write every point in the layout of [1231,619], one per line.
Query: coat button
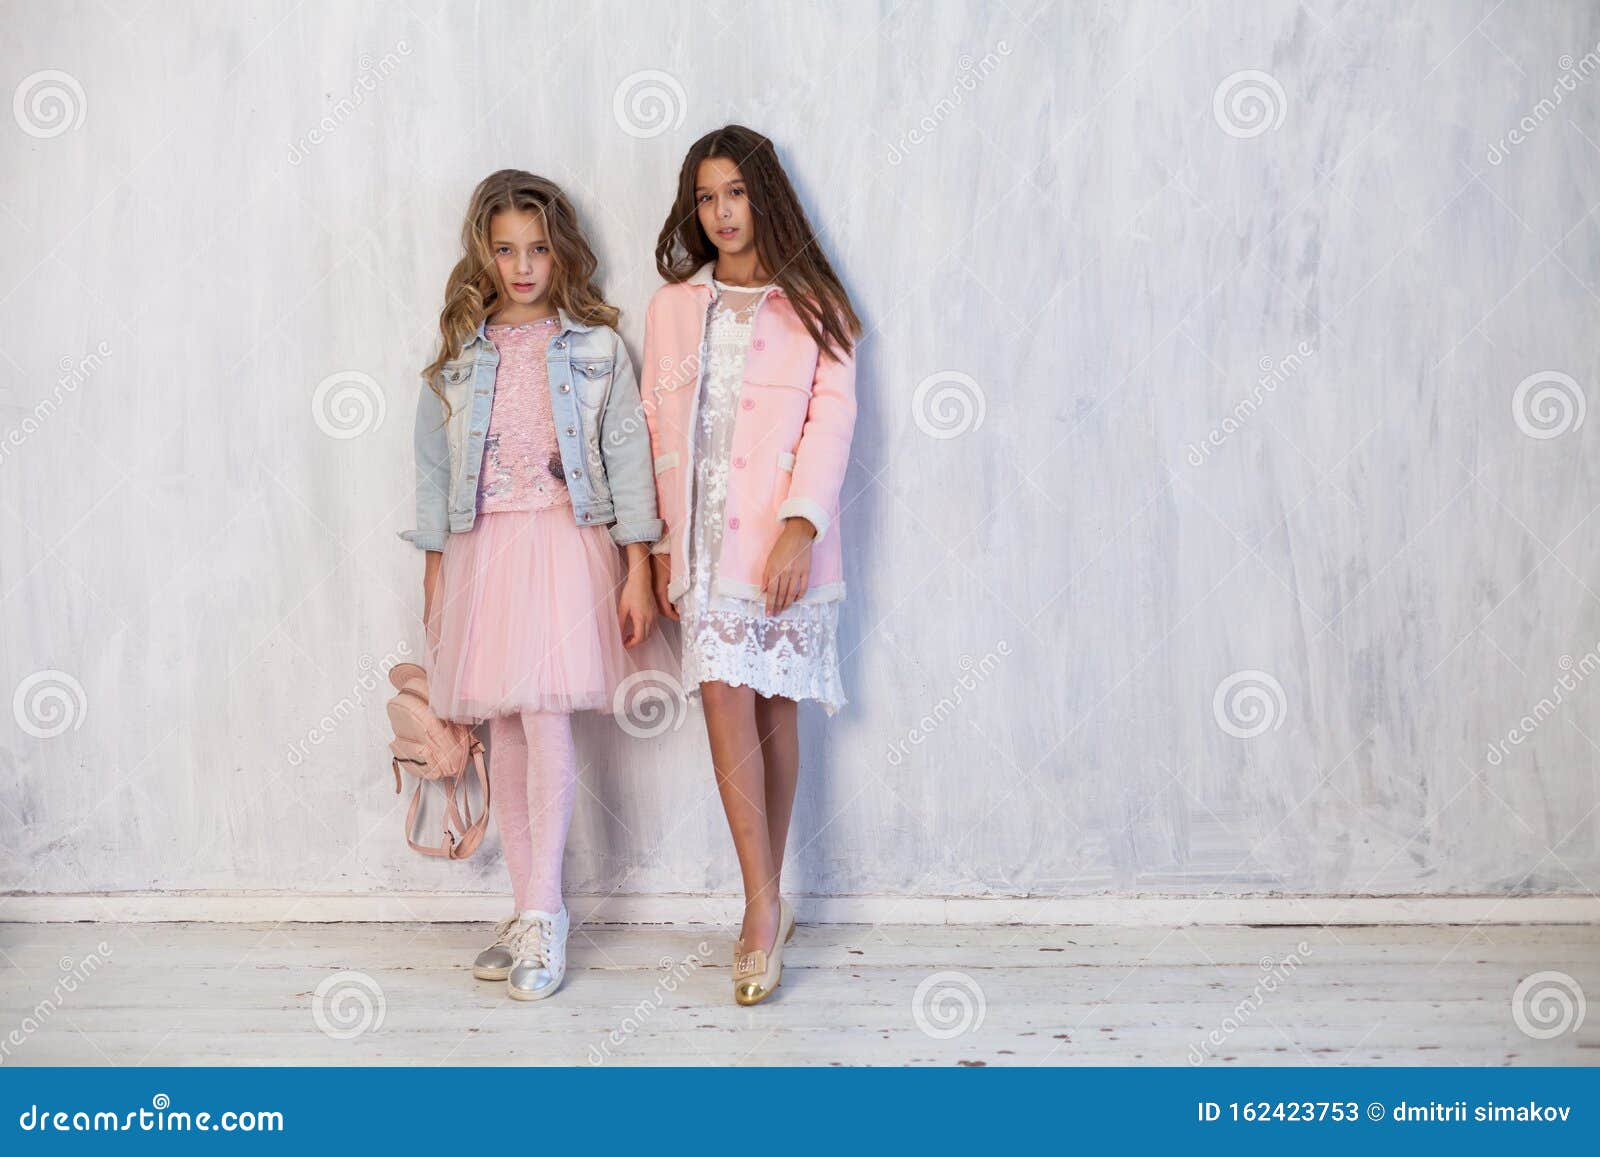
[733,523]
[738,463]
[748,404]
[760,343]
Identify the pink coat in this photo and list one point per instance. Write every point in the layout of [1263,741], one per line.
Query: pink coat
[791,438]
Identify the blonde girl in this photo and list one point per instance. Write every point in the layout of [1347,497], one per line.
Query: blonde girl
[536,510]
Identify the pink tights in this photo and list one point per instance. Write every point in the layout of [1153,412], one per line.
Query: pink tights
[533,778]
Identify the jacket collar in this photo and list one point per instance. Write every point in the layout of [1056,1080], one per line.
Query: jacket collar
[569,324]
[702,277]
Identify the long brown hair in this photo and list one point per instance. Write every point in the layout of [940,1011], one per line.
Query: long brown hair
[785,241]
[474,291]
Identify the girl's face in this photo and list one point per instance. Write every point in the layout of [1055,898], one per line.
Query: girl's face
[522,255]
[724,206]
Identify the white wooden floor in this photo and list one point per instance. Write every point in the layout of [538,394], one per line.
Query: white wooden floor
[181,994]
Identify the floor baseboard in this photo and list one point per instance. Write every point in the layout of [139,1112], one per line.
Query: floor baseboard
[278,907]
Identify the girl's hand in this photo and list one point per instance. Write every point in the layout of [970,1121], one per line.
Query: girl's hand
[788,570]
[661,565]
[636,608]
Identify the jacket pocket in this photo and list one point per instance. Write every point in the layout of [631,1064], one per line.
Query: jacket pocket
[591,378]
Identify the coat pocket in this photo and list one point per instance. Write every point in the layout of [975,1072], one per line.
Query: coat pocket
[784,476]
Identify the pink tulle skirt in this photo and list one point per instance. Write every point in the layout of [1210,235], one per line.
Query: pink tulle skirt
[525,619]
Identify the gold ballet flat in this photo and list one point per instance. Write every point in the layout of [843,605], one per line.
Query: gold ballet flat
[756,973]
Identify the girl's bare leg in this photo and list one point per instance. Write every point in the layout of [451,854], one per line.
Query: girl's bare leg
[741,780]
[778,721]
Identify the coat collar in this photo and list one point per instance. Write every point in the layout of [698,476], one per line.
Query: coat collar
[702,277]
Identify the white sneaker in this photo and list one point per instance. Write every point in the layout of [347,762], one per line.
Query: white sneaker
[539,951]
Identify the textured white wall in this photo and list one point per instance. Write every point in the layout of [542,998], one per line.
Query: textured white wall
[1058,217]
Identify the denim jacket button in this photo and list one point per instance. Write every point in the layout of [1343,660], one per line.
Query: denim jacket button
[748,404]
[577,473]
[586,517]
[570,431]
[565,388]
[561,345]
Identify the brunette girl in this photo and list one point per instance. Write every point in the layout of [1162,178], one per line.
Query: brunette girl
[749,393]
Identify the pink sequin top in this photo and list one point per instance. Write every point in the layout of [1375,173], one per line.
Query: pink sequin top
[521,462]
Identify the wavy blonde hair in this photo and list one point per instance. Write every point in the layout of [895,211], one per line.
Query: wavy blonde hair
[474,290]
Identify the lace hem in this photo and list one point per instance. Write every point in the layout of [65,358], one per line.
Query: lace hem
[793,658]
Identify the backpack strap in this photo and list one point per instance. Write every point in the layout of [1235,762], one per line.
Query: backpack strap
[472,834]
[452,846]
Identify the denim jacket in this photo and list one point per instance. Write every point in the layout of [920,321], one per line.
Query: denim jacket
[605,449]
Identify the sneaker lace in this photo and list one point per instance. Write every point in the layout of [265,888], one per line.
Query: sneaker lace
[505,930]
[533,941]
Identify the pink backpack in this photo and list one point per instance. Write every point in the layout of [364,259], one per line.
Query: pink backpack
[434,748]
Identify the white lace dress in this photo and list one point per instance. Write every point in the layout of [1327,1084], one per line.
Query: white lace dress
[793,654]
